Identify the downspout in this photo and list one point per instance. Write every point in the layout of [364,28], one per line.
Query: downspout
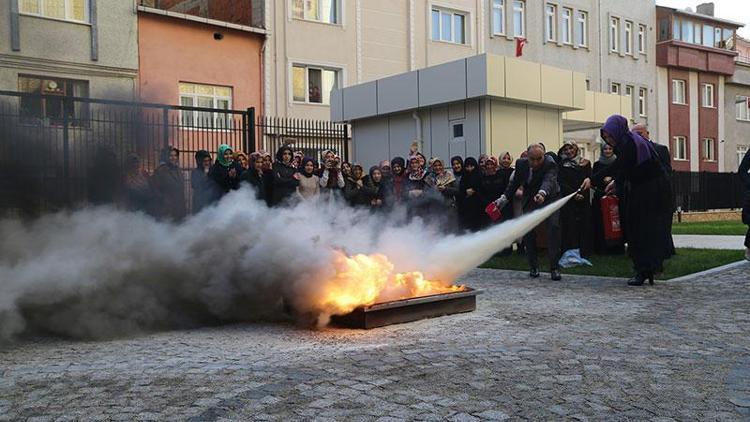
[601,45]
[418,127]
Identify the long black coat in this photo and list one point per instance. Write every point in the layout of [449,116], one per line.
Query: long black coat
[169,188]
[222,182]
[257,181]
[575,216]
[470,212]
[284,183]
[744,173]
[491,188]
[204,190]
[600,245]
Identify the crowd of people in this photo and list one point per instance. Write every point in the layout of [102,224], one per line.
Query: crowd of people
[453,194]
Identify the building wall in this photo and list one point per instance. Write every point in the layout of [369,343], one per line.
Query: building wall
[175,50]
[56,48]
[708,122]
[679,118]
[737,132]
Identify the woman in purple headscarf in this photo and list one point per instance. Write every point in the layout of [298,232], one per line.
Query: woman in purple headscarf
[640,176]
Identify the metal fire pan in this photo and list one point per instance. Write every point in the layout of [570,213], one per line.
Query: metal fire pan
[408,310]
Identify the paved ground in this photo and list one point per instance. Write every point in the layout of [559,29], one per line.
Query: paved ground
[709,241]
[587,349]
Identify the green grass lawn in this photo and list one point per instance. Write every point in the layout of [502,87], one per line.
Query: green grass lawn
[711,227]
[687,261]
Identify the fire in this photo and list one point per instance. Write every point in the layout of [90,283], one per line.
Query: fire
[362,280]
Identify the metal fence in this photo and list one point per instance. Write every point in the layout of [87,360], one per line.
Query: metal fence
[58,152]
[705,191]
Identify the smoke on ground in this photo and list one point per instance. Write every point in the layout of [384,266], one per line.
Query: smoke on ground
[102,272]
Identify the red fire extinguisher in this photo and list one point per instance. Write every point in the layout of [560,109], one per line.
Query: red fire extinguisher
[611,218]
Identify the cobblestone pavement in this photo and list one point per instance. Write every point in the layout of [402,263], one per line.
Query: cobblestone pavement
[584,348]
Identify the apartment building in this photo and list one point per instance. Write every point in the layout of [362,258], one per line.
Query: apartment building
[695,56]
[75,48]
[737,108]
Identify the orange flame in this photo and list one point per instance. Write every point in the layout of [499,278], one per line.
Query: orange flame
[363,280]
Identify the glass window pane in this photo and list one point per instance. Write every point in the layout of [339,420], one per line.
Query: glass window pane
[78,10]
[54,8]
[458,29]
[187,88]
[687,31]
[329,83]
[314,85]
[518,18]
[298,83]
[435,25]
[328,11]
[498,23]
[298,9]
[312,11]
[708,35]
[205,118]
[30,6]
[697,33]
[186,116]
[446,27]
[676,29]
[223,91]
[223,120]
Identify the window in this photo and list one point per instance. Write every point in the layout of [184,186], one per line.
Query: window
[550,23]
[458,131]
[708,95]
[678,91]
[629,90]
[71,10]
[675,28]
[709,35]
[741,151]
[642,39]
[205,96]
[498,17]
[582,21]
[614,88]
[53,109]
[742,107]
[448,26]
[614,34]
[680,148]
[567,26]
[313,84]
[642,92]
[687,31]
[709,151]
[326,11]
[519,18]
[628,37]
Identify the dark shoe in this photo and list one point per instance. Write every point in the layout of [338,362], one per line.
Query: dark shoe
[556,276]
[534,273]
[638,280]
[651,279]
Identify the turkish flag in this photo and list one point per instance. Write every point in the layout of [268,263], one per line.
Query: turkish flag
[520,42]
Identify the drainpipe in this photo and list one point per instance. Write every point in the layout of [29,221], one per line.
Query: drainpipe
[418,127]
[601,46]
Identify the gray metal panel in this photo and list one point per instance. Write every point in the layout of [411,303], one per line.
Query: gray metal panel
[15,38]
[398,93]
[439,134]
[443,83]
[402,130]
[370,141]
[337,105]
[476,78]
[473,128]
[94,31]
[360,101]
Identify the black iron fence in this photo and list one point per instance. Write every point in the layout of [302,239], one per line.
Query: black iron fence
[59,151]
[705,191]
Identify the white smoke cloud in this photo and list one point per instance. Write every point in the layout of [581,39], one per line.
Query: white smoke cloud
[102,272]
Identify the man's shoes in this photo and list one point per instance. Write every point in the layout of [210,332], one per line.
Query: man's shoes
[747,254]
[534,273]
[556,276]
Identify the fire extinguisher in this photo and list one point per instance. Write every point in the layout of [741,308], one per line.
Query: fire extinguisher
[610,205]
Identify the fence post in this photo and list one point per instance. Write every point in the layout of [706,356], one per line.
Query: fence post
[250,127]
[66,148]
[165,126]
[346,142]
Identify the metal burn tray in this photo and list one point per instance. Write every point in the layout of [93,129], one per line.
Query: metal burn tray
[408,310]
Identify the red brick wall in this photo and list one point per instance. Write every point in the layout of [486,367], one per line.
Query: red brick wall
[708,122]
[233,11]
[679,119]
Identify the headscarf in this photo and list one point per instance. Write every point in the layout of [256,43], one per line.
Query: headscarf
[500,161]
[419,154]
[304,162]
[617,127]
[220,155]
[416,175]
[602,158]
[446,177]
[164,156]
[576,160]
[279,155]
[384,163]
[372,170]
[471,179]
[460,160]
[200,156]
[400,161]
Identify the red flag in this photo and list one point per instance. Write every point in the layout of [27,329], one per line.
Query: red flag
[520,42]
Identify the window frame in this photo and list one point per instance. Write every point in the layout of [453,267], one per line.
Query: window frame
[550,22]
[615,88]
[677,149]
[738,106]
[81,116]
[566,30]
[307,68]
[705,87]
[642,105]
[522,11]
[453,13]
[741,151]
[68,11]
[582,22]
[642,39]
[339,13]
[708,149]
[630,88]
[628,38]
[682,84]
[614,35]
[229,123]
[498,5]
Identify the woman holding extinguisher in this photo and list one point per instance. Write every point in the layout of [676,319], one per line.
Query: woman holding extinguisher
[600,179]
[639,170]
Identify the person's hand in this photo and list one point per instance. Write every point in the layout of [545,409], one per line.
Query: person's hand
[441,188]
[539,199]
[578,197]
[378,202]
[610,189]
[359,183]
[470,192]
[607,180]
[232,173]
[415,193]
[297,176]
[519,193]
[501,201]
[586,184]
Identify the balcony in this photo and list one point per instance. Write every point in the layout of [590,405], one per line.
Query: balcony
[238,12]
[680,54]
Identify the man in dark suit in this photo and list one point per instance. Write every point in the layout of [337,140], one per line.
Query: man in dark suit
[666,160]
[537,174]
[744,173]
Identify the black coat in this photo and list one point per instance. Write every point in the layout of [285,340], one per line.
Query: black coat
[744,173]
[470,212]
[600,245]
[204,189]
[223,183]
[491,188]
[284,183]
[355,194]
[575,216]
[169,188]
[544,179]
[257,181]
